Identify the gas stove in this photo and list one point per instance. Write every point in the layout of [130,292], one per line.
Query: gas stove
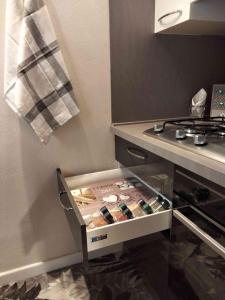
[205,136]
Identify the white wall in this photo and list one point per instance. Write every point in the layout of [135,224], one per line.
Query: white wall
[32,225]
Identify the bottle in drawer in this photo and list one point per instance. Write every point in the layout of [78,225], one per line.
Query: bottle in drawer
[118,215]
[107,215]
[103,218]
[158,203]
[146,208]
[126,211]
[94,220]
[137,210]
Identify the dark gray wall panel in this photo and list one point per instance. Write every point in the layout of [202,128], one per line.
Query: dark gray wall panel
[155,76]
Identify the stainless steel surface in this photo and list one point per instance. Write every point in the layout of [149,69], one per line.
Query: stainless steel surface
[215,148]
[200,140]
[158,128]
[180,134]
[67,208]
[179,11]
[213,244]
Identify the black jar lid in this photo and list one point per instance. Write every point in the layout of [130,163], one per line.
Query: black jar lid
[145,206]
[164,202]
[106,215]
[126,211]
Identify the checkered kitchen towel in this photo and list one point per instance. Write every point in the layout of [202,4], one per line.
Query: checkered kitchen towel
[37,86]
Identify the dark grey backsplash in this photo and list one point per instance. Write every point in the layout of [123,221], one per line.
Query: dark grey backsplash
[155,76]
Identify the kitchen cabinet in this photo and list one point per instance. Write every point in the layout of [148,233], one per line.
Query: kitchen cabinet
[190,17]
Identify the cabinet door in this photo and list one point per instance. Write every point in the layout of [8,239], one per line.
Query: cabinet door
[197,257]
[170,13]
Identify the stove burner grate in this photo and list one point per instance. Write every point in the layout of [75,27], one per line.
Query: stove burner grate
[204,126]
[221,133]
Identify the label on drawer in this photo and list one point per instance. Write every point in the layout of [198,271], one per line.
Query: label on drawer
[98,238]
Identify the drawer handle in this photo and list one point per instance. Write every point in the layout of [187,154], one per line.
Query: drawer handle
[179,11]
[61,203]
[131,151]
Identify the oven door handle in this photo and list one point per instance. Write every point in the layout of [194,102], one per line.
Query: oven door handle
[211,242]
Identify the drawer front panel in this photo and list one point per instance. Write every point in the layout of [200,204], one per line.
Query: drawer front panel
[131,155]
[153,170]
[127,230]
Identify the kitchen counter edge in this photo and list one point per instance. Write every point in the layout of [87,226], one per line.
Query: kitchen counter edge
[197,163]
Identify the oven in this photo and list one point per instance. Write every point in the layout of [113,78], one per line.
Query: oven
[197,247]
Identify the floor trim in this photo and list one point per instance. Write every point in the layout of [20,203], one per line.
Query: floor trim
[41,267]
[38,268]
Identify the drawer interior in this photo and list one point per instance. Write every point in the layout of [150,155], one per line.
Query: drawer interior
[110,189]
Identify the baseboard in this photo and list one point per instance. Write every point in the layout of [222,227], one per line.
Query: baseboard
[38,268]
[35,269]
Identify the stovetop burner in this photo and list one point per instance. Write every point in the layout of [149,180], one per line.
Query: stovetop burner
[192,127]
[200,134]
[190,131]
[221,133]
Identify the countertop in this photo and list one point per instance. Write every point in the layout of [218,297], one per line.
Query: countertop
[195,162]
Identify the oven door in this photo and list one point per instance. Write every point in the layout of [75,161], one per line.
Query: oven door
[205,195]
[197,257]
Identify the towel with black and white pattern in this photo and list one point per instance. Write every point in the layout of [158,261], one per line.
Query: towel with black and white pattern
[37,85]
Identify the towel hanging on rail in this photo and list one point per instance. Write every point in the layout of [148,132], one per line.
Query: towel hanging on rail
[37,85]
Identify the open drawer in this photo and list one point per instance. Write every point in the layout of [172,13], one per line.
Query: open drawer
[88,240]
